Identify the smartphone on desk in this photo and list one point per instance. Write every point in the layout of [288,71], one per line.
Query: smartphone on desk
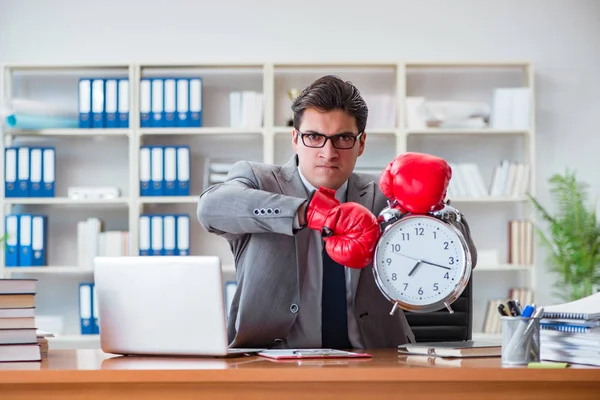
[294,354]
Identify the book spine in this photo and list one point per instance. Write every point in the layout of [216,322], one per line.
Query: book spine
[562,315]
[565,328]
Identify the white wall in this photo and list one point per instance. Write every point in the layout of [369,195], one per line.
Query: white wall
[560,37]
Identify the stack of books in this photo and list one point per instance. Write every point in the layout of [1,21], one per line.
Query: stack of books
[18,336]
[570,332]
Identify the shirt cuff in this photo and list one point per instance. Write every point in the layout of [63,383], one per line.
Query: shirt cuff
[296,223]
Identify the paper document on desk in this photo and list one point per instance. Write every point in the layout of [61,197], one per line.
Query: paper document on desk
[467,348]
[287,354]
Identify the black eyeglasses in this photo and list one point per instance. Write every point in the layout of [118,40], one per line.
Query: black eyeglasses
[342,141]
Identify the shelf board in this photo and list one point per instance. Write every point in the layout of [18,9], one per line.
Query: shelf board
[169,199]
[71,132]
[375,131]
[204,64]
[76,66]
[488,199]
[472,64]
[466,131]
[75,270]
[64,201]
[52,269]
[504,267]
[201,131]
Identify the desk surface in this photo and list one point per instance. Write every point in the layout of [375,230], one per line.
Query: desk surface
[386,372]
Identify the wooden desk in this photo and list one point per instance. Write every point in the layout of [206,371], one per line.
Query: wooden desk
[92,374]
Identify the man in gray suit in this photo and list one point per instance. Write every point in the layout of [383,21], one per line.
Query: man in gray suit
[288,295]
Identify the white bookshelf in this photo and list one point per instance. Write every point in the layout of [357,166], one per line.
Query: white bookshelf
[65,201]
[81,152]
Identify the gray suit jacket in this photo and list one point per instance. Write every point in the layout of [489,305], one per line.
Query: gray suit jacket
[255,210]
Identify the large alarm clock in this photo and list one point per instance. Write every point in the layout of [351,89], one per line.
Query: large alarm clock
[422,262]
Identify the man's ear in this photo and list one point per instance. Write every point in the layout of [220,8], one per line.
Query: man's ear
[361,142]
[295,141]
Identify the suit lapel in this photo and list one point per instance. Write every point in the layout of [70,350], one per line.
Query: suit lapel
[362,193]
[291,185]
[359,191]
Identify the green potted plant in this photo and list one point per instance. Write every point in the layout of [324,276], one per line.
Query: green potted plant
[572,237]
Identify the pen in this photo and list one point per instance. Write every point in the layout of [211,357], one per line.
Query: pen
[537,315]
[319,352]
[518,304]
[503,311]
[512,307]
[528,311]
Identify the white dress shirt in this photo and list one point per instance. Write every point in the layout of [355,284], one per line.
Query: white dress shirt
[306,331]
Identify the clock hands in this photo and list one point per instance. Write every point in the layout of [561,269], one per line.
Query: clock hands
[419,263]
[412,271]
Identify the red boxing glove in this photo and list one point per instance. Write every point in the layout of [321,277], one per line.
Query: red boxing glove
[350,230]
[417,182]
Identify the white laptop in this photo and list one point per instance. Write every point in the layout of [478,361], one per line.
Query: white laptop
[162,306]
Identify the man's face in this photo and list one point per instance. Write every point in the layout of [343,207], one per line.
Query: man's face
[327,166]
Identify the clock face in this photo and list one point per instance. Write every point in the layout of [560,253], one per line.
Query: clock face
[421,261]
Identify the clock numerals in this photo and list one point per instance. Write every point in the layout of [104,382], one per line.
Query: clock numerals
[419,261]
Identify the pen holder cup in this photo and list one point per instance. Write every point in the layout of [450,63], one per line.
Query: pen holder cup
[520,340]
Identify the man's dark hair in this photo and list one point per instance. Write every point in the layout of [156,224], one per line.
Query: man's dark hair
[330,93]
